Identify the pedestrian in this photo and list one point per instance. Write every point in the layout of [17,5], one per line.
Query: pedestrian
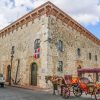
[90,78]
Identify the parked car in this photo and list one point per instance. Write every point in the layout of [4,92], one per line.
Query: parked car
[2,80]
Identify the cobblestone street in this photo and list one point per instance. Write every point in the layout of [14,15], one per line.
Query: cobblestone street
[12,93]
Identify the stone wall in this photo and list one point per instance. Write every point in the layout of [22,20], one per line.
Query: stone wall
[44,28]
[23,39]
[72,40]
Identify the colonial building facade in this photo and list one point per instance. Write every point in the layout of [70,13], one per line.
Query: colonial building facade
[44,42]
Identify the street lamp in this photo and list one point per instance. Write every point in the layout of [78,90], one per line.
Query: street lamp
[12,55]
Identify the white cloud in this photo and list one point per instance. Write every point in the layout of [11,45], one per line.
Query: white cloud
[3,21]
[84,11]
[10,10]
[27,3]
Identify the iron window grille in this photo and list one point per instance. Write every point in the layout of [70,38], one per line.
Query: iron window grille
[79,52]
[60,45]
[60,68]
[37,44]
[90,56]
[96,58]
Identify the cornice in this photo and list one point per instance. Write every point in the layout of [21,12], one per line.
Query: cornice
[49,9]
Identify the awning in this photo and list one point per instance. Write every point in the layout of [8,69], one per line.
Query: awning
[88,70]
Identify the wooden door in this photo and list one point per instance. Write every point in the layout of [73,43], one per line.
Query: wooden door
[34,74]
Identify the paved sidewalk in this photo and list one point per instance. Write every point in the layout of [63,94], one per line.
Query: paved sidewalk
[13,93]
[30,87]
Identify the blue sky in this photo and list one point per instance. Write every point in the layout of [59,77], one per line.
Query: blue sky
[86,12]
[95,29]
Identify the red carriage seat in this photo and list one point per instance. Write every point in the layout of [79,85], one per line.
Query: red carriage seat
[68,79]
[84,83]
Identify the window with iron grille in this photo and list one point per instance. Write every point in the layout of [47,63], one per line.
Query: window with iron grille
[90,56]
[60,67]
[79,52]
[37,44]
[96,58]
[60,45]
[13,50]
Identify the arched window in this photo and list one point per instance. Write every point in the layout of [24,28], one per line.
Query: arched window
[37,44]
[79,52]
[60,45]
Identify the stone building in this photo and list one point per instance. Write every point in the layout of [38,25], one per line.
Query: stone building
[44,42]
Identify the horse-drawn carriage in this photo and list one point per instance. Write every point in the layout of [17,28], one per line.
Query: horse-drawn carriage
[65,83]
[85,85]
[91,88]
[77,85]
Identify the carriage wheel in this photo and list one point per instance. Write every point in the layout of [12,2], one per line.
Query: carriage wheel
[77,91]
[66,93]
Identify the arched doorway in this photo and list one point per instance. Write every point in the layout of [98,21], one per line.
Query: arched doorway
[34,69]
[8,73]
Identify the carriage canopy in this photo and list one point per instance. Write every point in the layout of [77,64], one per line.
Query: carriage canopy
[88,70]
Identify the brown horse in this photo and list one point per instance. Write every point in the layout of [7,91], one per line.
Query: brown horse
[56,82]
[54,79]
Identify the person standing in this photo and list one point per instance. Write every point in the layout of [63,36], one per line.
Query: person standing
[90,78]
